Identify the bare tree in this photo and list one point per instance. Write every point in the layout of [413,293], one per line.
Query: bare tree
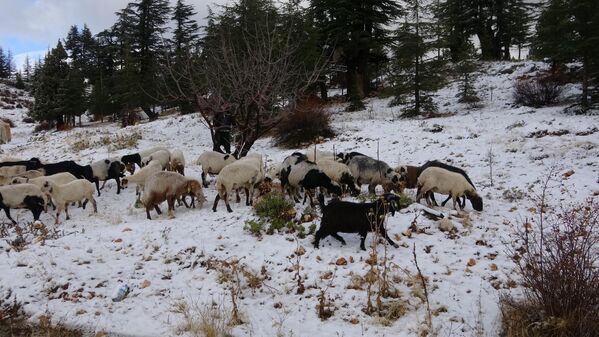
[255,73]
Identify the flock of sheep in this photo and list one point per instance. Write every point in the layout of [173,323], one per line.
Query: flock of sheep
[33,185]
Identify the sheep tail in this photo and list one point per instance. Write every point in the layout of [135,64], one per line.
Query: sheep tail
[321,200]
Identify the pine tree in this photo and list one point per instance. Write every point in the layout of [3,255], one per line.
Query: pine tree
[27,69]
[465,70]
[567,31]
[416,73]
[19,84]
[3,70]
[356,28]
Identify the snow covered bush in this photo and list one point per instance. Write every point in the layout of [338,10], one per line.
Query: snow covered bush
[557,259]
[538,92]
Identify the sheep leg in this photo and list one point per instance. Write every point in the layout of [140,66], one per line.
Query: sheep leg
[384,234]
[84,203]
[157,209]
[226,197]
[7,211]
[66,210]
[118,185]
[93,201]
[463,205]
[247,196]
[97,182]
[204,182]
[171,207]
[215,202]
[320,234]
[148,213]
[432,196]
[339,238]
[372,188]
[103,184]
[237,197]
[446,200]
[362,240]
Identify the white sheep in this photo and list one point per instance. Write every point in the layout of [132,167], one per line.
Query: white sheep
[339,173]
[58,178]
[213,162]
[163,156]
[26,196]
[169,186]
[135,158]
[12,171]
[177,161]
[63,195]
[139,178]
[240,174]
[439,180]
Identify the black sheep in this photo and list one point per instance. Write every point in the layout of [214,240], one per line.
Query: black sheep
[351,217]
[31,164]
[80,172]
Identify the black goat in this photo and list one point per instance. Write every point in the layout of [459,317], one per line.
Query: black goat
[351,217]
[80,172]
[130,160]
[31,164]
[436,163]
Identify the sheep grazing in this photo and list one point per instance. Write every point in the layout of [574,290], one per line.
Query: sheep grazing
[163,156]
[339,173]
[177,161]
[213,162]
[237,175]
[316,155]
[63,195]
[26,196]
[373,172]
[135,158]
[106,169]
[81,172]
[440,180]
[436,163]
[410,175]
[346,157]
[169,186]
[351,217]
[306,174]
[140,177]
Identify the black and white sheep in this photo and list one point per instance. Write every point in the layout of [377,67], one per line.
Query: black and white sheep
[345,157]
[26,196]
[169,186]
[238,175]
[107,169]
[307,175]
[213,162]
[350,217]
[443,181]
[373,172]
[339,173]
[63,195]
[130,160]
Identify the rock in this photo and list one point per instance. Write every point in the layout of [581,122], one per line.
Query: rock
[341,261]
[471,262]
[300,251]
[354,321]
[145,284]
[446,225]
[493,267]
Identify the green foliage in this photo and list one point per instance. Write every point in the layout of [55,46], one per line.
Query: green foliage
[276,211]
[415,73]
[254,226]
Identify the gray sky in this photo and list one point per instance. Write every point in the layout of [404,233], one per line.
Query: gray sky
[32,26]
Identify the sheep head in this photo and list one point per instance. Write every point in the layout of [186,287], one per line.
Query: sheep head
[475,200]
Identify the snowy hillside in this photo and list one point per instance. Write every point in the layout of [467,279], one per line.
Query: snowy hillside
[168,262]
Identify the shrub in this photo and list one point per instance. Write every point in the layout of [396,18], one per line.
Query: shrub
[538,92]
[557,261]
[274,209]
[307,123]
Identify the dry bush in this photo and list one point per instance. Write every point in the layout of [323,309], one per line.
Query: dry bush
[557,260]
[206,320]
[14,322]
[539,91]
[306,124]
[43,126]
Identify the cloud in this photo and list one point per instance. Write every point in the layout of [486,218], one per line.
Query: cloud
[19,59]
[27,25]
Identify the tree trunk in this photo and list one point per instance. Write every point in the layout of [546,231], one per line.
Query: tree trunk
[585,83]
[322,86]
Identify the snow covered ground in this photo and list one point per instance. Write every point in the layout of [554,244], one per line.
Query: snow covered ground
[164,261]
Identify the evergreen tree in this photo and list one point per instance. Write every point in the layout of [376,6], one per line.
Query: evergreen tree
[415,71]
[19,84]
[106,55]
[567,31]
[356,27]
[49,80]
[27,69]
[465,71]
[3,68]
